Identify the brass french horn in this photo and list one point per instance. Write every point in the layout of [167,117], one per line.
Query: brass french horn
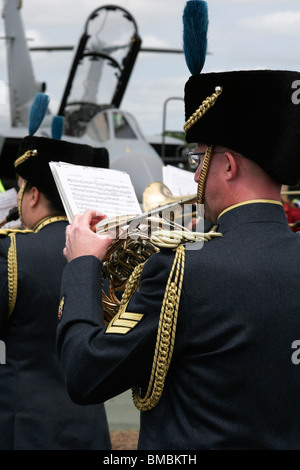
[157,194]
[133,244]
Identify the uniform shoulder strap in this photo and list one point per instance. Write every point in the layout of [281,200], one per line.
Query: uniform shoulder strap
[8,231]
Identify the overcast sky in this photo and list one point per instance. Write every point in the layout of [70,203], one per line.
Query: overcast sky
[243,34]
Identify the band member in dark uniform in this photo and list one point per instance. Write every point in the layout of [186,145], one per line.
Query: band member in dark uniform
[206,338]
[36,412]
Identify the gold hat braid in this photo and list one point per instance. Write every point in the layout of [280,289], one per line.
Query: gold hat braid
[203,108]
[203,175]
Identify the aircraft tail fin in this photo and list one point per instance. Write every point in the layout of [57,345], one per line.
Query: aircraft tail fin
[22,84]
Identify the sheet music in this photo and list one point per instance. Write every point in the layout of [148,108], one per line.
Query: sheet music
[180,182]
[102,189]
[8,200]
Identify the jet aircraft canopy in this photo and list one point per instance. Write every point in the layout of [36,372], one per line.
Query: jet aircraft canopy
[101,67]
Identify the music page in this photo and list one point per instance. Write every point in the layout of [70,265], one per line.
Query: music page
[180,182]
[102,189]
[8,200]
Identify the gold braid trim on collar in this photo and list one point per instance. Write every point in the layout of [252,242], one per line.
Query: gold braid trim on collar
[48,220]
[250,201]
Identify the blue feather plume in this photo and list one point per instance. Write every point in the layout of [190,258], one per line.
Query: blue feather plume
[195,25]
[37,112]
[57,127]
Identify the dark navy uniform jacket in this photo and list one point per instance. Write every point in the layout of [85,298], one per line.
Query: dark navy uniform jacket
[36,411]
[232,383]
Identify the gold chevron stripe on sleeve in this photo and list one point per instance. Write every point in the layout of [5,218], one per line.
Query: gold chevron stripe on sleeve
[124,322]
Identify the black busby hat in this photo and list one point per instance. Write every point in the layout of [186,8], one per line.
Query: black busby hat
[253,112]
[35,153]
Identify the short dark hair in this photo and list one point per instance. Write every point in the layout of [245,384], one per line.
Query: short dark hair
[55,206]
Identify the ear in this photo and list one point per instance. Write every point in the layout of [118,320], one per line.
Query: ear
[230,166]
[34,197]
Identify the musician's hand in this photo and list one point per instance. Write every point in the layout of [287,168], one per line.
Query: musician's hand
[81,238]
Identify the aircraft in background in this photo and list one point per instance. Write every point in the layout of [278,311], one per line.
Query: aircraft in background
[92,97]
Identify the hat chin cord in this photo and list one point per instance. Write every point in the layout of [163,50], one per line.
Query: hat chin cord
[20,199]
[203,175]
